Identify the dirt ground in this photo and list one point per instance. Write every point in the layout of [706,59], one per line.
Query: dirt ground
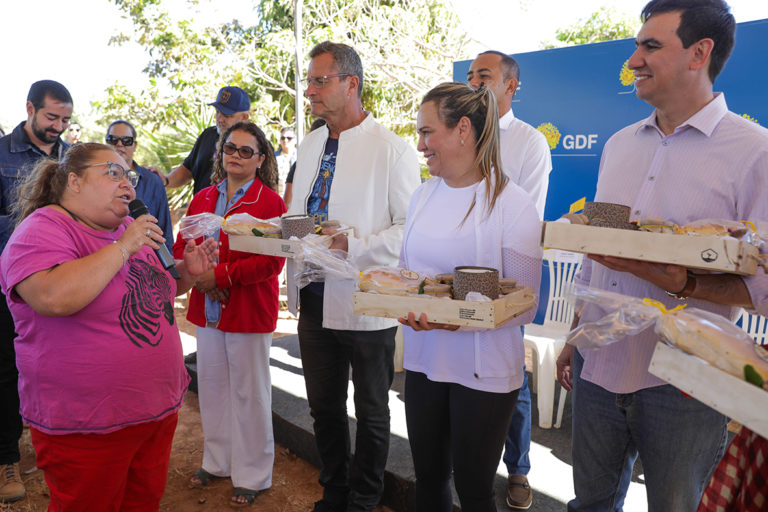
[294,481]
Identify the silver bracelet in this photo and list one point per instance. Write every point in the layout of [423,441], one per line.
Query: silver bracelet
[123,252]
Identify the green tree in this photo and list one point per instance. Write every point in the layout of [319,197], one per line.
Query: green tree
[603,25]
[407,47]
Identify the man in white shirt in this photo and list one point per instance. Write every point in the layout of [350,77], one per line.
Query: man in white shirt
[357,172]
[527,161]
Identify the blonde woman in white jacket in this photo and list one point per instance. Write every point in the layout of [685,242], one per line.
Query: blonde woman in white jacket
[461,385]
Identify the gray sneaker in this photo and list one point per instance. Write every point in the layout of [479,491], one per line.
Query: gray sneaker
[11,486]
[519,493]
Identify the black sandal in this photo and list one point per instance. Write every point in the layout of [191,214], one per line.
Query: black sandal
[204,477]
[248,494]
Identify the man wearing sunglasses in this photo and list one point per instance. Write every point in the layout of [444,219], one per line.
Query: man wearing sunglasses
[357,172]
[232,106]
[122,135]
[49,109]
[285,155]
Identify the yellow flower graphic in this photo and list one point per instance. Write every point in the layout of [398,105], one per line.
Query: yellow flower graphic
[551,132]
[750,118]
[627,76]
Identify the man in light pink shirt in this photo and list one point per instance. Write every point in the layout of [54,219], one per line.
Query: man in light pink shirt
[691,159]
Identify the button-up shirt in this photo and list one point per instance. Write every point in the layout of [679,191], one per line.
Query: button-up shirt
[151,190]
[18,155]
[525,157]
[212,307]
[713,166]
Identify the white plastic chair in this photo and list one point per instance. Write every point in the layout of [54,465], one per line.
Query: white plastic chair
[756,326]
[547,340]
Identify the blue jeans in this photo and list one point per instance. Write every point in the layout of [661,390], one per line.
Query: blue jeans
[518,442]
[678,439]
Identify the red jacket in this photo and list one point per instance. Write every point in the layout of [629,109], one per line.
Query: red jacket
[250,278]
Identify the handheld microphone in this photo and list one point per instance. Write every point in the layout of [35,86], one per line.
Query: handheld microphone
[138,208]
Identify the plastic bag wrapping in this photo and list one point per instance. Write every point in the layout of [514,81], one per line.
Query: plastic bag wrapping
[745,231]
[207,224]
[248,225]
[714,339]
[244,218]
[200,225]
[393,281]
[625,316]
[704,334]
[316,262]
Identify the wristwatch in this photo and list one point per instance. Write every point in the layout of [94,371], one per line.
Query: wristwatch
[166,180]
[688,289]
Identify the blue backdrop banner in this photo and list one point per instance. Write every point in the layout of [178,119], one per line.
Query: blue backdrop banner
[581,95]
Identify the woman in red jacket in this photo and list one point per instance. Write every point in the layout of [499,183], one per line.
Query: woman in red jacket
[234,307]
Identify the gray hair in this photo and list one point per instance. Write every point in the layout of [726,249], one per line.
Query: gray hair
[346,58]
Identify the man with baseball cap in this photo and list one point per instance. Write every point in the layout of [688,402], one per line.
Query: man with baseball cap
[232,106]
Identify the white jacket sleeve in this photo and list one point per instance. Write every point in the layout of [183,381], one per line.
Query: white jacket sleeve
[383,247]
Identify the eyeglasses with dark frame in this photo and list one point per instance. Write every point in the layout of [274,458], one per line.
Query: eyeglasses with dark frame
[117,172]
[113,139]
[286,137]
[320,81]
[244,151]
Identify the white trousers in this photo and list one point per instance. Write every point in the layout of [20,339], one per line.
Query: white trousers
[235,391]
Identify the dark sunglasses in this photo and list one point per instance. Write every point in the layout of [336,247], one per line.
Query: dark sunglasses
[286,137]
[244,151]
[127,140]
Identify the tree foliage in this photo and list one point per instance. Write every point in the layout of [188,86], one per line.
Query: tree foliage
[407,47]
[603,25]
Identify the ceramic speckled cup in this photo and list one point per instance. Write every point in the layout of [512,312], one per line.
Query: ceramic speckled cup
[297,225]
[483,280]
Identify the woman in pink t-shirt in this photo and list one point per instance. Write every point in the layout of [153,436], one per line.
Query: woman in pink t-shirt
[101,373]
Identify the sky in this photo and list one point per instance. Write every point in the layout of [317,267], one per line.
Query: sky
[68,40]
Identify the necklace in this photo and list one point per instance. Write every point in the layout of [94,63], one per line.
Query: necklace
[70,213]
[77,219]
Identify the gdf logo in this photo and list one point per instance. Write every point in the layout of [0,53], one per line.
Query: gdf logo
[750,118]
[627,79]
[570,141]
[579,141]
[551,133]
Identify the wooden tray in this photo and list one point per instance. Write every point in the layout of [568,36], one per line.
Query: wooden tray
[699,252]
[736,398]
[268,246]
[447,311]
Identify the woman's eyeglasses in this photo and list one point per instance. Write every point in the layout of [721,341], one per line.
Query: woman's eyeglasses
[127,140]
[116,172]
[244,151]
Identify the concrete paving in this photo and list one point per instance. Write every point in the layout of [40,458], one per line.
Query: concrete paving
[550,475]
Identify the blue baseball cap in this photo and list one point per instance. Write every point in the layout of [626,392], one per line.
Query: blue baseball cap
[232,99]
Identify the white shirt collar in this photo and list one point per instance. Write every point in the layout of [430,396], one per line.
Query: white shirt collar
[506,120]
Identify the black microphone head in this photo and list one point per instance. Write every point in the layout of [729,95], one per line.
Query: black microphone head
[137,208]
